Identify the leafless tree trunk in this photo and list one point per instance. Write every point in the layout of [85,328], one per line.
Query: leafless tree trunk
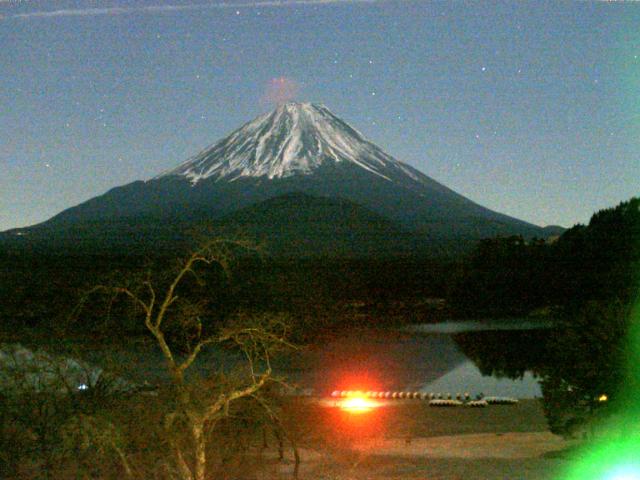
[257,340]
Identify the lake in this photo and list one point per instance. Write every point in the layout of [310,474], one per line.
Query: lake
[427,358]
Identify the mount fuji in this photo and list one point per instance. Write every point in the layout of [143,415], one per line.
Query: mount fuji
[294,139]
[298,174]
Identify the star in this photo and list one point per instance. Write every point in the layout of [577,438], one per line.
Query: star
[237,12]
[484,69]
[373,94]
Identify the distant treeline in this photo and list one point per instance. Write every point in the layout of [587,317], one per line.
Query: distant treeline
[513,277]
[42,289]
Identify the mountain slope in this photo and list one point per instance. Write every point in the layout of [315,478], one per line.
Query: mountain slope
[301,225]
[296,148]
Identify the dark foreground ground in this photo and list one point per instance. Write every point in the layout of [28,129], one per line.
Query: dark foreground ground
[411,440]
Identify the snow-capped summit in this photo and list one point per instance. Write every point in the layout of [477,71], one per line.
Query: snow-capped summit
[293,139]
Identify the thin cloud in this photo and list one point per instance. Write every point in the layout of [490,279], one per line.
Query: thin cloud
[87,12]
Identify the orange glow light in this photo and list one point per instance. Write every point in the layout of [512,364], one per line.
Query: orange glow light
[357,404]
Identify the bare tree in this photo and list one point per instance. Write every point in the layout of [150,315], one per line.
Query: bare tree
[83,432]
[257,337]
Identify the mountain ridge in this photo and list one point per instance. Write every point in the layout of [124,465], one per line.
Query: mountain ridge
[295,148]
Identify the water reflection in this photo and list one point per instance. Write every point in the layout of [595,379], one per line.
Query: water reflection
[467,326]
[495,362]
[375,360]
[467,378]
[444,358]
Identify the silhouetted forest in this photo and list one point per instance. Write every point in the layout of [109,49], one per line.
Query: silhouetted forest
[41,290]
[512,277]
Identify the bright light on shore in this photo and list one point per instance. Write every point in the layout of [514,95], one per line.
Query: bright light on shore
[357,404]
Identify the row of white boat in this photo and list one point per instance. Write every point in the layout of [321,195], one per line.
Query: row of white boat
[434,399]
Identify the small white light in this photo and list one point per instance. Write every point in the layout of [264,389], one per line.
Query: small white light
[83,386]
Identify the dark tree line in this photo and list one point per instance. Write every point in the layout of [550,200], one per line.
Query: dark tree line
[513,277]
[503,277]
[587,281]
[38,290]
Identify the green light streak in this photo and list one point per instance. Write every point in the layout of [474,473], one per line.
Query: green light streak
[615,459]
[615,453]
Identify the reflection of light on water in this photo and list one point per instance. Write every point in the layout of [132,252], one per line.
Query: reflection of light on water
[467,378]
[357,405]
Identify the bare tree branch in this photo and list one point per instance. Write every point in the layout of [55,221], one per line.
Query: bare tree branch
[257,337]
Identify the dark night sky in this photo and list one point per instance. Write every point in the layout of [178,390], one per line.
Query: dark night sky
[528,108]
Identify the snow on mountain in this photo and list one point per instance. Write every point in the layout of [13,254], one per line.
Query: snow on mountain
[294,139]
